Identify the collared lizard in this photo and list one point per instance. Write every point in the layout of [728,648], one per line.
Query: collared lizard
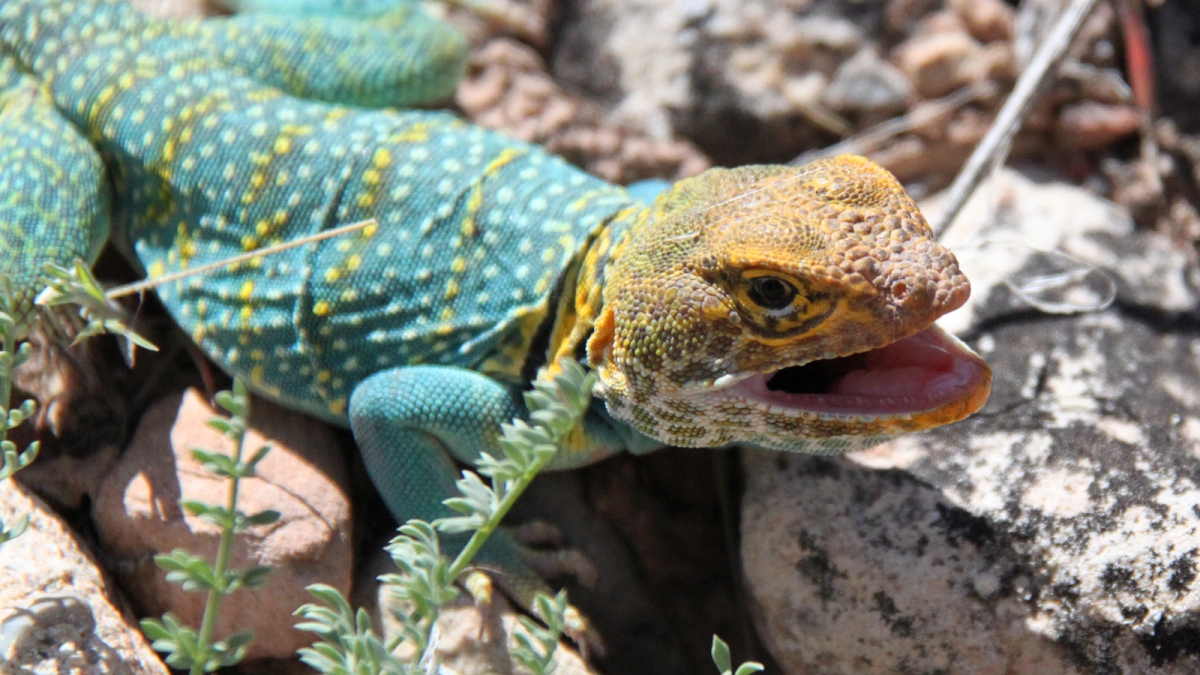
[784,308]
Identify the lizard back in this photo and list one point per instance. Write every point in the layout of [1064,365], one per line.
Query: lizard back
[474,229]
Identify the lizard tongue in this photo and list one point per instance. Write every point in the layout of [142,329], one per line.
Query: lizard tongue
[903,368]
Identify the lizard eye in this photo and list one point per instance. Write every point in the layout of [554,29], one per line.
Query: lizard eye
[776,304]
[771,292]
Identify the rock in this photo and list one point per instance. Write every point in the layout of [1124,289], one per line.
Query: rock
[82,412]
[58,612]
[867,83]
[857,571]
[939,62]
[626,601]
[507,88]
[1089,125]
[1055,532]
[137,515]
[742,79]
[986,20]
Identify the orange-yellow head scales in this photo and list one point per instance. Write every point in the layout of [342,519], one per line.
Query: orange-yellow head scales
[787,308]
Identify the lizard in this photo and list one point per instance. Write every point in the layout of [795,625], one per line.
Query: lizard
[785,308]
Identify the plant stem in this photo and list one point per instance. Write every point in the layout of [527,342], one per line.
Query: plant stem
[10,348]
[6,372]
[481,535]
[213,605]
[998,137]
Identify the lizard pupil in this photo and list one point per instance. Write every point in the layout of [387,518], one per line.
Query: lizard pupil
[771,292]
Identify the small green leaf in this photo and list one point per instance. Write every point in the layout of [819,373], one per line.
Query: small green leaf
[232,649]
[261,518]
[215,462]
[330,596]
[154,629]
[255,577]
[236,402]
[17,529]
[219,424]
[175,560]
[258,457]
[720,656]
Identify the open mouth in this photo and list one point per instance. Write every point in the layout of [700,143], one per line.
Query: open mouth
[927,371]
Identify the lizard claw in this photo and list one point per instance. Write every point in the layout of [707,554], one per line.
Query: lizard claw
[481,588]
[583,634]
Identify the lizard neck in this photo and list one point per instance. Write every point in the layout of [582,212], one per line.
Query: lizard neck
[581,299]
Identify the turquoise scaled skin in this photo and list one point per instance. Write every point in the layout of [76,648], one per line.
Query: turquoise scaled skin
[789,308]
[415,332]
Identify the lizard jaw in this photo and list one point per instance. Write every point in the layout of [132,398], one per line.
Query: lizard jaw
[927,372]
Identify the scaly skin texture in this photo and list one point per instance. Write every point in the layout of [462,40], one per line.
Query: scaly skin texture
[679,328]
[490,259]
[35,189]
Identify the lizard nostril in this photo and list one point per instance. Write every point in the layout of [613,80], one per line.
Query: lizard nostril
[899,290]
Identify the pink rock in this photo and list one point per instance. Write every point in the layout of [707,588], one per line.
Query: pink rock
[137,515]
[987,20]
[937,63]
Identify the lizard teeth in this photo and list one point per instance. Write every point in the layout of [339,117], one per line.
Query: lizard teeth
[724,381]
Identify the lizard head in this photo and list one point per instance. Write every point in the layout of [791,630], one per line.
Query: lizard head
[787,308]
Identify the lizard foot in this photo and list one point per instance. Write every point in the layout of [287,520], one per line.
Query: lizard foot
[481,585]
[541,547]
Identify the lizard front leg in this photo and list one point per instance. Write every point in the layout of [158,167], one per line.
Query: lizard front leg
[410,423]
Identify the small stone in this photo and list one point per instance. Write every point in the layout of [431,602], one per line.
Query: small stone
[934,62]
[137,515]
[994,63]
[986,20]
[58,613]
[903,15]
[1089,125]
[817,32]
[507,88]
[867,83]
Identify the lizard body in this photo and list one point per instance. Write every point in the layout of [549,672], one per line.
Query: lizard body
[788,308]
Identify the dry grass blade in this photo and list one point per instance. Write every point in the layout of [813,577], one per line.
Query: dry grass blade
[925,113]
[999,136]
[138,287]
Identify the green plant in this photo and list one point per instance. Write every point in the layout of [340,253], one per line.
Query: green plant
[77,286]
[184,646]
[64,286]
[537,657]
[720,656]
[11,357]
[426,579]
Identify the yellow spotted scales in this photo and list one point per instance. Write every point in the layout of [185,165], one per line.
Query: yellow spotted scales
[726,312]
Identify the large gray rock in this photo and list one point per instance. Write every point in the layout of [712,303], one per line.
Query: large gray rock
[1057,530]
